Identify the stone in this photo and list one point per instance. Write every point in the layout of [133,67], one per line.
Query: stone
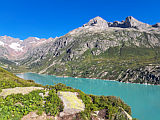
[131,22]
[117,24]
[41,94]
[72,104]
[96,112]
[34,115]
[156,25]
[97,21]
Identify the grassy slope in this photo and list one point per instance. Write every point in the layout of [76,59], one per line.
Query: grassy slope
[110,64]
[9,80]
[10,110]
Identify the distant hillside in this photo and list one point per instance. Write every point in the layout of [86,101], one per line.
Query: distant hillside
[14,48]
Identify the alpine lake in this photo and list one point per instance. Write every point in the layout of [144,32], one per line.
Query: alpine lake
[143,99]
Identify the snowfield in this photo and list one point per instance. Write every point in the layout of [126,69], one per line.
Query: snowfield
[1,43]
[16,46]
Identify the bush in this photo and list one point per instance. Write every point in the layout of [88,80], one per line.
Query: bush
[53,103]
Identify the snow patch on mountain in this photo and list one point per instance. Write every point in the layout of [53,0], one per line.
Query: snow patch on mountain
[16,47]
[32,42]
[1,43]
[37,38]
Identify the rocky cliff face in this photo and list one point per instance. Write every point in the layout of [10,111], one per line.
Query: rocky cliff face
[97,21]
[98,49]
[149,74]
[130,22]
[157,25]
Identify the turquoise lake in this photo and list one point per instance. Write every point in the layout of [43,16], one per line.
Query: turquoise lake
[143,99]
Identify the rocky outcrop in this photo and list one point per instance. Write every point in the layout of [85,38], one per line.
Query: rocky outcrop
[18,90]
[98,22]
[3,52]
[72,104]
[101,115]
[157,25]
[130,22]
[117,24]
[147,74]
[33,116]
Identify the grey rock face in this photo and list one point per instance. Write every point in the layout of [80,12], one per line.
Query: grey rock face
[117,24]
[3,52]
[148,74]
[97,21]
[14,48]
[131,22]
[156,25]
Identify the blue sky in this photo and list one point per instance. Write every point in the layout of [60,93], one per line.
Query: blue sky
[51,18]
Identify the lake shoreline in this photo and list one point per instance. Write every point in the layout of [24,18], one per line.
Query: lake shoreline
[90,78]
[140,97]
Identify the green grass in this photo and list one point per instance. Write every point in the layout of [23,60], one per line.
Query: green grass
[113,61]
[15,106]
[9,80]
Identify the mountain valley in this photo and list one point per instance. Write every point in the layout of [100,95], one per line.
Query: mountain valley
[126,51]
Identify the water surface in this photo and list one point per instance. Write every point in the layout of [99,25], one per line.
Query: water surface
[143,99]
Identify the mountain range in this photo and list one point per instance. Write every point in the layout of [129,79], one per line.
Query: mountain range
[126,51]
[14,48]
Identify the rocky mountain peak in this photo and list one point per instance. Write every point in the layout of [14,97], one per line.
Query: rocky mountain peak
[7,40]
[32,39]
[97,21]
[131,22]
[5,37]
[156,25]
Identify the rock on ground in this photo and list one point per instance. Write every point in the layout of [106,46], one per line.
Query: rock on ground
[16,90]
[72,104]
[34,116]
